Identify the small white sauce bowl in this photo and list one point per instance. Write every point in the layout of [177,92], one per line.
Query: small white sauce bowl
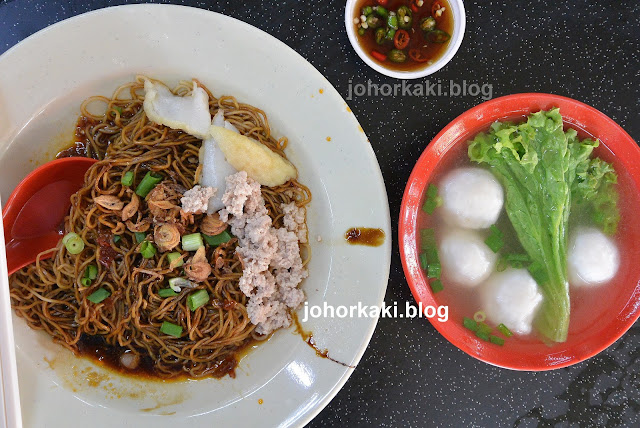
[459,24]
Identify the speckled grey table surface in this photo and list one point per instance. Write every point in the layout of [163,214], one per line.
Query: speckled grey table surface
[410,375]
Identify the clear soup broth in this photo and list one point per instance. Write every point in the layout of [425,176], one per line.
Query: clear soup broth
[589,305]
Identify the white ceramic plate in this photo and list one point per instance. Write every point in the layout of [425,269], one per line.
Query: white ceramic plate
[42,83]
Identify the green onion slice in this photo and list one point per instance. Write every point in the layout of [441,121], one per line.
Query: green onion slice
[432,200]
[470,324]
[436,286]
[479,316]
[192,242]
[99,295]
[148,183]
[482,335]
[73,243]
[147,250]
[91,272]
[140,236]
[427,238]
[423,260]
[215,240]
[86,282]
[505,330]
[434,270]
[127,179]
[496,340]
[166,292]
[116,238]
[494,240]
[482,327]
[197,299]
[171,257]
[176,284]
[171,329]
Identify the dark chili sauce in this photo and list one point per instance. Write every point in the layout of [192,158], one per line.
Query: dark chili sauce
[98,350]
[307,336]
[365,236]
[80,142]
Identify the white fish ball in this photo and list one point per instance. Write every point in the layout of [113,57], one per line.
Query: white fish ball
[593,257]
[471,198]
[465,258]
[512,298]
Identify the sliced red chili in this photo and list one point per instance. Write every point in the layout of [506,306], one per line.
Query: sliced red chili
[416,55]
[401,39]
[382,2]
[414,8]
[436,6]
[379,56]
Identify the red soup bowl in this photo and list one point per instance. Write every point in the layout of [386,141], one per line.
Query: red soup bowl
[599,316]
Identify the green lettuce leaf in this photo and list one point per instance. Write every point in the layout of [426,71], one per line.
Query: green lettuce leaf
[533,162]
[543,169]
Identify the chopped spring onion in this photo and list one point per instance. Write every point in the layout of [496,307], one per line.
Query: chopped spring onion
[517,261]
[215,240]
[192,242]
[423,260]
[85,282]
[436,286]
[116,238]
[432,200]
[470,324]
[148,183]
[91,272]
[167,292]
[481,334]
[361,31]
[427,238]
[171,329]
[494,240]
[118,109]
[176,284]
[432,254]
[127,179]
[197,299]
[505,330]
[73,243]
[433,270]
[479,316]
[140,236]
[175,256]
[518,257]
[502,264]
[99,295]
[147,250]
[496,340]
[484,328]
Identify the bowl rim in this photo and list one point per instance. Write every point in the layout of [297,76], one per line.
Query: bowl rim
[456,40]
[480,117]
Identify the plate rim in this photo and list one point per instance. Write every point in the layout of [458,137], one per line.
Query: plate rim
[387,246]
